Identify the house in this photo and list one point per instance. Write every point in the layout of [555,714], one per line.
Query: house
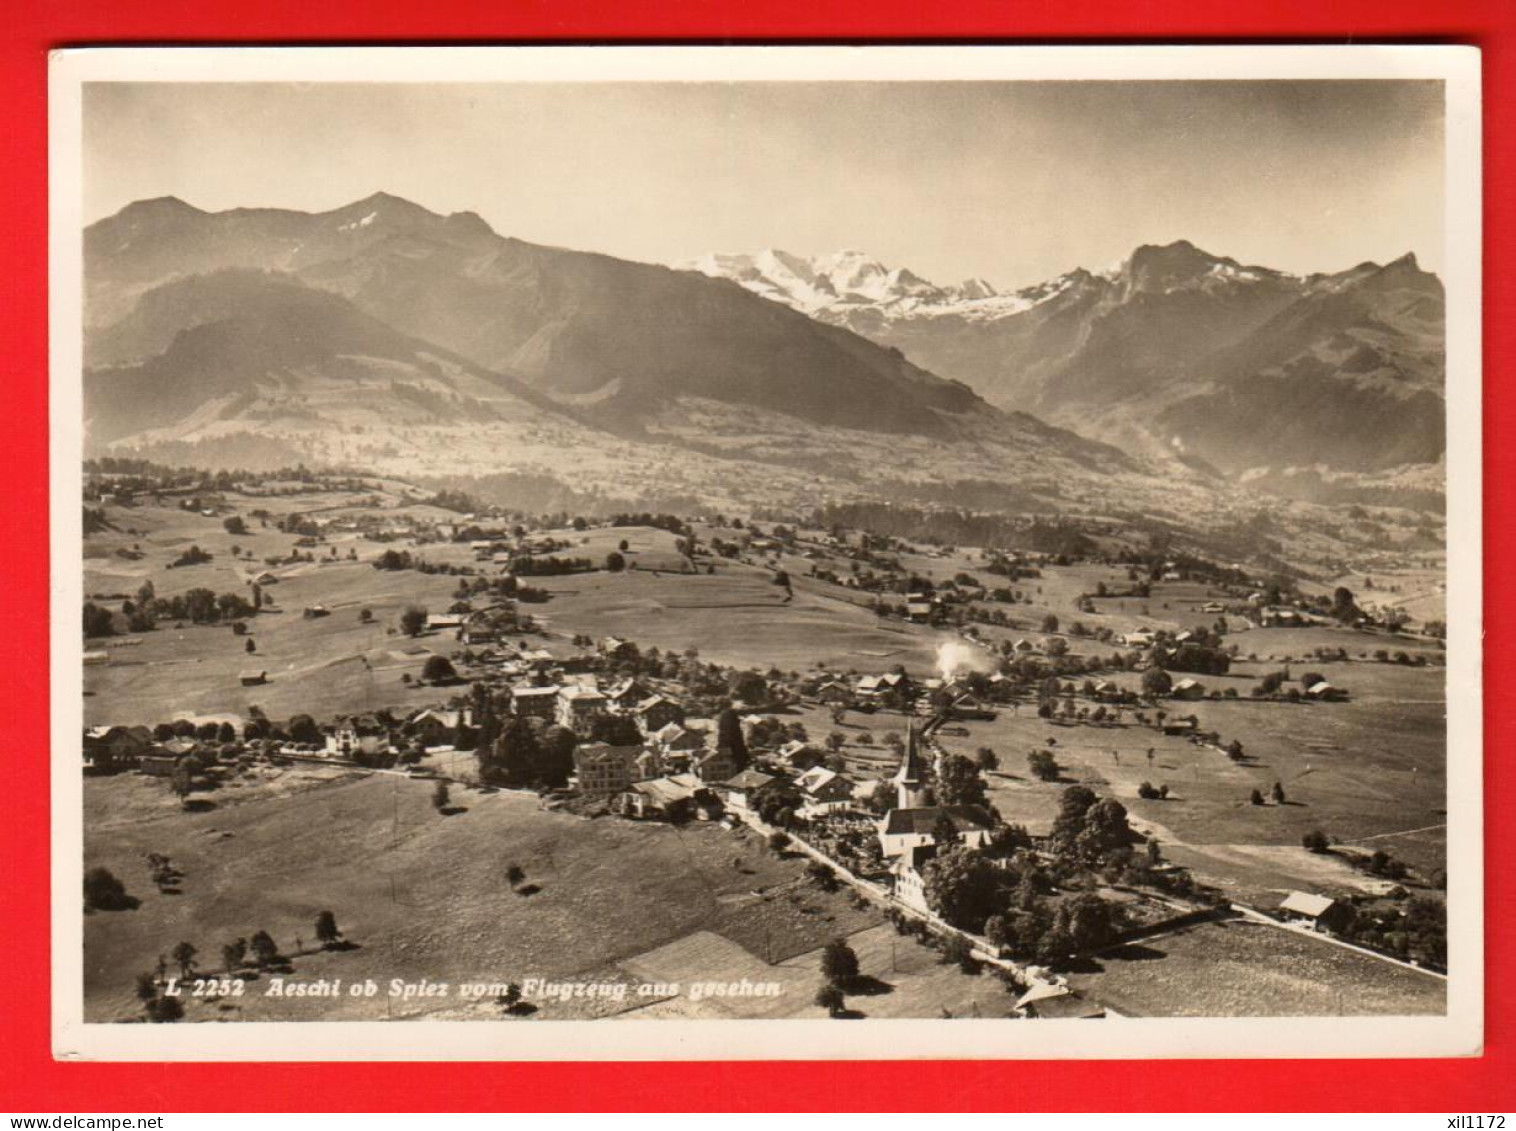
[823,791]
[109,749]
[95,659]
[875,687]
[613,647]
[266,578]
[435,727]
[1053,1000]
[352,737]
[1280,615]
[649,764]
[313,611]
[577,707]
[712,766]
[798,755]
[444,622]
[1023,646]
[1180,726]
[1188,689]
[834,693]
[626,695]
[1183,637]
[1213,607]
[602,769]
[655,797]
[743,790]
[1138,639]
[1320,912]
[253,679]
[1325,692]
[657,712]
[919,609]
[907,884]
[534,702]
[904,829]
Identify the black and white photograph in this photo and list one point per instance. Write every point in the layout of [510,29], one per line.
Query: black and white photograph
[659,551]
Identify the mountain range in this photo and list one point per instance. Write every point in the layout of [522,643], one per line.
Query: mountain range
[385,335]
[1173,350]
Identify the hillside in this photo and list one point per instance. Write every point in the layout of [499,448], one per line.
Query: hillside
[1174,350]
[618,339]
[385,336]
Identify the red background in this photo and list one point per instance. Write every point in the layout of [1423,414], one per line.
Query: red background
[30,1081]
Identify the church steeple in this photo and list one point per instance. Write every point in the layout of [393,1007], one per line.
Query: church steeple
[909,791]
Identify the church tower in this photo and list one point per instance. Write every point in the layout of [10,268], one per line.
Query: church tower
[910,793]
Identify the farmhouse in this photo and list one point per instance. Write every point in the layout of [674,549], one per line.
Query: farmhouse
[1318,911]
[904,829]
[743,790]
[1325,692]
[1138,639]
[253,679]
[798,755]
[823,791]
[657,712]
[714,765]
[1188,689]
[108,749]
[435,727]
[444,622]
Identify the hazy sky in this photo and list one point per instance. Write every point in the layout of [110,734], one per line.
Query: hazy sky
[1014,182]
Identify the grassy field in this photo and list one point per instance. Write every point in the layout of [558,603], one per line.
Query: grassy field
[1372,767]
[1242,969]
[424,895]
[737,617]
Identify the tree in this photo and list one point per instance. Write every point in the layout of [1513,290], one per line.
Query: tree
[439,669]
[234,525]
[986,759]
[1255,798]
[831,999]
[440,796]
[881,798]
[1316,841]
[184,955]
[729,737]
[959,782]
[514,875]
[265,950]
[1050,623]
[103,891]
[960,953]
[1091,923]
[1156,682]
[839,962]
[250,646]
[615,730]
[961,886]
[413,620]
[615,562]
[1043,765]
[1277,793]
[182,780]
[779,841]
[327,933]
[233,955]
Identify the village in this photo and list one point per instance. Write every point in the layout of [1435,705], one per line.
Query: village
[1040,765]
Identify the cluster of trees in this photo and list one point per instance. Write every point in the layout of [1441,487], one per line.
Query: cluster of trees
[1413,931]
[670,522]
[199,606]
[519,752]
[550,565]
[192,556]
